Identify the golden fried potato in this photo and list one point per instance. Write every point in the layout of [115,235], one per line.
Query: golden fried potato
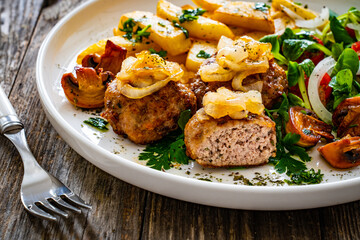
[162,31]
[244,14]
[202,28]
[193,62]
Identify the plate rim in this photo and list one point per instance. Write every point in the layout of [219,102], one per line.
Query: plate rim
[51,112]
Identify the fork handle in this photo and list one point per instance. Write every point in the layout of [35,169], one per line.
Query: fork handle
[9,121]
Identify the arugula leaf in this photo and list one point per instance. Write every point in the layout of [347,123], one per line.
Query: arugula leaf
[347,60]
[191,14]
[161,53]
[294,48]
[339,32]
[97,122]
[203,54]
[170,149]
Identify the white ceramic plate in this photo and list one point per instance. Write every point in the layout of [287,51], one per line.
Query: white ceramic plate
[95,20]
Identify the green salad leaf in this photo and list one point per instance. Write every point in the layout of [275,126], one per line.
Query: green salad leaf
[339,32]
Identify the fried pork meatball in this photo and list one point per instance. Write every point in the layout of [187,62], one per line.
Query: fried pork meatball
[274,85]
[226,142]
[150,118]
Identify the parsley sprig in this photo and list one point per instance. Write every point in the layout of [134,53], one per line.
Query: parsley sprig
[98,123]
[171,149]
[191,14]
[161,53]
[129,27]
[286,150]
[203,54]
[177,25]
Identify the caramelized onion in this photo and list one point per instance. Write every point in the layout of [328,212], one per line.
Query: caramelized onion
[146,74]
[235,104]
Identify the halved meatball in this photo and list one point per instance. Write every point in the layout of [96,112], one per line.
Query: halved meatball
[226,142]
[274,85]
[150,118]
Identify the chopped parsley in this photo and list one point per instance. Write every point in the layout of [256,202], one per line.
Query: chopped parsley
[171,149]
[306,177]
[261,7]
[203,54]
[286,150]
[161,53]
[191,14]
[98,123]
[177,25]
[130,32]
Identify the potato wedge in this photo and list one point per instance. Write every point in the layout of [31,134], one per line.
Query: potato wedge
[192,61]
[162,32]
[210,5]
[299,10]
[202,28]
[131,47]
[244,14]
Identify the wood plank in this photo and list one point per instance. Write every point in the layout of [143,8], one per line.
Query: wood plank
[18,19]
[167,218]
[341,222]
[287,224]
[117,206]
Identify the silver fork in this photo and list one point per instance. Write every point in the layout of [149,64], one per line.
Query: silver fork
[41,193]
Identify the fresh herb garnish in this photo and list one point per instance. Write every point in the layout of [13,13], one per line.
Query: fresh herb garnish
[295,75]
[131,32]
[203,54]
[140,33]
[343,77]
[177,25]
[171,149]
[306,177]
[284,161]
[339,32]
[191,14]
[161,53]
[261,7]
[161,24]
[97,122]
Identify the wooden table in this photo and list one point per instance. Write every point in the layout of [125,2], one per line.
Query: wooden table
[120,210]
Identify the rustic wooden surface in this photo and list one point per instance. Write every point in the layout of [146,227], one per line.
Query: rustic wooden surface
[120,210]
